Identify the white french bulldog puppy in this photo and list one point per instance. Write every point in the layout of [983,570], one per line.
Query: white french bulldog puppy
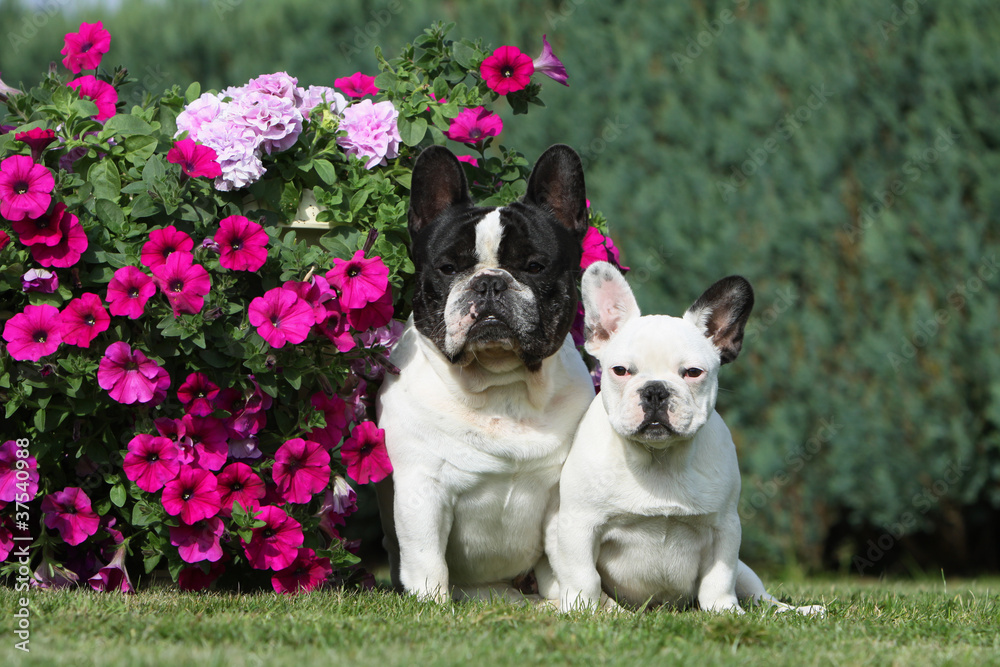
[481,416]
[649,491]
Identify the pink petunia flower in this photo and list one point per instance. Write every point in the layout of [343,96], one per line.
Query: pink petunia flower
[25,188]
[17,484]
[305,573]
[6,538]
[200,112]
[4,239]
[546,63]
[207,438]
[468,159]
[372,132]
[82,319]
[198,541]
[39,280]
[335,412]
[195,160]
[472,126]
[507,70]
[43,230]
[365,455]
[37,139]
[242,243]
[238,483]
[316,95]
[69,512]
[281,317]
[275,544]
[99,92]
[339,502]
[128,375]
[301,469]
[599,248]
[197,394]
[34,333]
[184,283]
[151,461]
[372,315]
[128,292]
[113,577]
[193,578]
[72,242]
[361,281]
[193,495]
[84,49]
[356,85]
[163,242]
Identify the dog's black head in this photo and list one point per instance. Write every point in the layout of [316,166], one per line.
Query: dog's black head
[497,280]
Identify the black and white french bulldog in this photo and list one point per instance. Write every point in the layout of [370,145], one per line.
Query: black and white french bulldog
[480,418]
[649,491]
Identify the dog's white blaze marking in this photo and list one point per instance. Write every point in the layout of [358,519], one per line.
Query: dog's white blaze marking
[489,233]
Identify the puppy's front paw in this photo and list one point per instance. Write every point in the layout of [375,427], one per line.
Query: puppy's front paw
[579,601]
[817,610]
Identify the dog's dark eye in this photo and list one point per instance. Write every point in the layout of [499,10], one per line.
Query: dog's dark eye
[692,372]
[535,267]
[619,371]
[448,269]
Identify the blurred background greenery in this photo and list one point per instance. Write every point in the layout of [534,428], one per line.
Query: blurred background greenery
[841,155]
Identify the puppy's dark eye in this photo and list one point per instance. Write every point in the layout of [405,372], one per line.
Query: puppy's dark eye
[619,370]
[448,269]
[692,372]
[535,267]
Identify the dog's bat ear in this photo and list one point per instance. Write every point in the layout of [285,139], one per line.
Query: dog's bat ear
[438,183]
[608,303]
[556,184]
[721,313]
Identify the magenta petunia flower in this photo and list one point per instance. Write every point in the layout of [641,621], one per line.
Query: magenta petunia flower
[25,188]
[339,502]
[33,334]
[72,242]
[6,538]
[356,85]
[163,242]
[238,483]
[275,544]
[281,317]
[468,159]
[193,495]
[128,292]
[365,455]
[305,573]
[4,239]
[193,578]
[195,160]
[372,315]
[372,132]
[197,394]
[208,440]
[198,541]
[546,63]
[474,125]
[113,577]
[39,280]
[507,70]
[242,243]
[82,319]
[184,283]
[151,461]
[599,248]
[37,139]
[99,92]
[84,49]
[361,281]
[43,230]
[17,483]
[69,512]
[301,469]
[128,375]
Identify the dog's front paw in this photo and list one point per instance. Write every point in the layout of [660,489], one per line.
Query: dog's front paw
[817,610]
[578,601]
[725,605]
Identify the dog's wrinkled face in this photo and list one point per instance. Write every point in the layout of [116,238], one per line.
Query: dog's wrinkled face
[659,373]
[496,284]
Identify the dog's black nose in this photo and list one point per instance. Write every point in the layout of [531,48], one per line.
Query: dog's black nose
[652,395]
[488,283]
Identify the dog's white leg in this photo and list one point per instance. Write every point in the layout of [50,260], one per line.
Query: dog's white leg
[575,563]
[423,519]
[548,584]
[717,588]
[384,494]
[750,587]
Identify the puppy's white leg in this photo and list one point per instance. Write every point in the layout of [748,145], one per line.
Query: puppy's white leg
[575,562]
[717,588]
[423,519]
[750,587]
[548,584]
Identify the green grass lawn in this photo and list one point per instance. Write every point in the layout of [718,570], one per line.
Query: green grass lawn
[904,623]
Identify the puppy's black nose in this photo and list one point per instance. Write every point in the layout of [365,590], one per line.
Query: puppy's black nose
[652,395]
[488,283]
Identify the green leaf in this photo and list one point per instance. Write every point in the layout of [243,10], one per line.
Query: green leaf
[106,180]
[193,92]
[140,148]
[412,132]
[143,207]
[325,170]
[154,171]
[118,495]
[463,54]
[110,214]
[150,561]
[143,514]
[125,125]
[40,416]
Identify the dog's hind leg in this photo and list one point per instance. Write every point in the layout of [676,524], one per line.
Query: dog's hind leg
[750,587]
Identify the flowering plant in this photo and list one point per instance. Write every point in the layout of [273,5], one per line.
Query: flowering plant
[186,384]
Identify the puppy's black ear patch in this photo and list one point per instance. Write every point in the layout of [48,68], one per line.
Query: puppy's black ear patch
[722,312]
[438,183]
[556,184]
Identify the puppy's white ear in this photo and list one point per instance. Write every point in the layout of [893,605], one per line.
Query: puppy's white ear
[608,303]
[721,313]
